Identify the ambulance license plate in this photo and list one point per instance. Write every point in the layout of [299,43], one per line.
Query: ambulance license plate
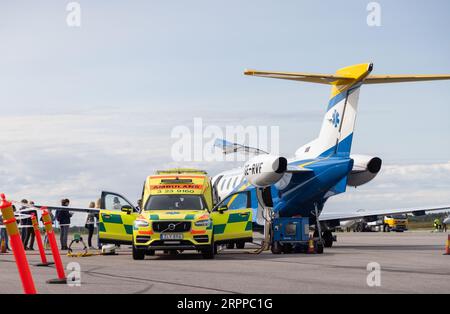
[171,236]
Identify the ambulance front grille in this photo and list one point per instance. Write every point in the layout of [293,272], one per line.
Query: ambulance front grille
[171,226]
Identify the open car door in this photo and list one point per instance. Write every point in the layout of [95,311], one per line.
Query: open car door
[232,218]
[116,219]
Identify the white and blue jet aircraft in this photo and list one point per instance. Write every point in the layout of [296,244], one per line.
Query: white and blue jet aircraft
[324,167]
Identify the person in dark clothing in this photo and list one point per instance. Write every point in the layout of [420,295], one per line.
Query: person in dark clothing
[4,235]
[24,223]
[90,225]
[63,217]
[29,240]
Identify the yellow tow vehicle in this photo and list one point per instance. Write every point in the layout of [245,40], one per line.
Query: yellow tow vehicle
[398,223]
[177,214]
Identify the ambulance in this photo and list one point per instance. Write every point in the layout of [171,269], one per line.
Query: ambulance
[177,214]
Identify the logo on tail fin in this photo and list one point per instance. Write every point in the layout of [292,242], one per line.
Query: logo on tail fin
[335,119]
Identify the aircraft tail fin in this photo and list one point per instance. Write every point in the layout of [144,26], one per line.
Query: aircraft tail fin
[336,134]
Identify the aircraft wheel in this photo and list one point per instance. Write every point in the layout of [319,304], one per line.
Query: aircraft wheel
[327,237]
[319,248]
[276,247]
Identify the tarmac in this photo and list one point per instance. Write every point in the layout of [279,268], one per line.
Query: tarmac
[409,262]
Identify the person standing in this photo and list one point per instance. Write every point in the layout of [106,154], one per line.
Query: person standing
[4,234]
[98,206]
[90,225]
[63,217]
[24,222]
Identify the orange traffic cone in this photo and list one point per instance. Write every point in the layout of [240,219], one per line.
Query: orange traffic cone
[3,246]
[311,249]
[447,246]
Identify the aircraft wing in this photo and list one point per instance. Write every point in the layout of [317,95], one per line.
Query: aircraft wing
[362,213]
[71,209]
[296,169]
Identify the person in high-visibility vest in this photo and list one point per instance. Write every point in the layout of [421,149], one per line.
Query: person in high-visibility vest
[437,224]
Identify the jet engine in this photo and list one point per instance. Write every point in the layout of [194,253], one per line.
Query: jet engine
[365,168]
[265,170]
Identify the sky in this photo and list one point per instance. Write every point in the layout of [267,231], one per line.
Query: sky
[92,108]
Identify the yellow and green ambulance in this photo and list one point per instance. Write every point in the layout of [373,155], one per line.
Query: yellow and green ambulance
[177,214]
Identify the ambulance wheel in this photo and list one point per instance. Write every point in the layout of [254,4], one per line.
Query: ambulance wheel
[230,245]
[138,254]
[276,247]
[210,252]
[240,244]
[327,237]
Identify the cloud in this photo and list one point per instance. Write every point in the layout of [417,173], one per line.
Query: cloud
[399,186]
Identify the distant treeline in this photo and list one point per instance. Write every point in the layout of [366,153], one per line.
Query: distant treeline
[429,217]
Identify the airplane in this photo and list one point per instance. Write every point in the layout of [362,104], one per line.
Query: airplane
[322,168]
[300,186]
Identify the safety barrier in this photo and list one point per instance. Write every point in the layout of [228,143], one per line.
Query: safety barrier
[3,246]
[447,246]
[17,246]
[54,247]
[311,248]
[37,236]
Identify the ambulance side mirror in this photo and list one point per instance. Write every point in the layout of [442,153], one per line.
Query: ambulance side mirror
[127,209]
[222,208]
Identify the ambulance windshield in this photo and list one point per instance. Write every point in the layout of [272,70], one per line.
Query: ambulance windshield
[170,202]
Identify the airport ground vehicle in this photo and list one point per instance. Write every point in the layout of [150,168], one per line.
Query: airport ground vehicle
[397,223]
[292,235]
[178,214]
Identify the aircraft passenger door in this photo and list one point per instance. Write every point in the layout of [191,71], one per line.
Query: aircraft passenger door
[232,218]
[116,218]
